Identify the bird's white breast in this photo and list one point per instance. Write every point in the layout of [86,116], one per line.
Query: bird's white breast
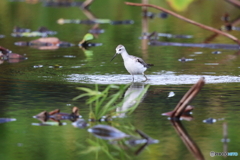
[133,66]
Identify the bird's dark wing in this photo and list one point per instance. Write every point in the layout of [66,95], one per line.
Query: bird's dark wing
[140,60]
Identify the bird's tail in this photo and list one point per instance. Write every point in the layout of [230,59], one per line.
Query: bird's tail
[149,65]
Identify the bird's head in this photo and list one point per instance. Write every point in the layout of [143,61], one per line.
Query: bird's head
[120,49]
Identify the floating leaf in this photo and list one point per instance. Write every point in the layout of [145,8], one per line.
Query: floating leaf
[56,115]
[4,50]
[179,5]
[88,37]
[51,40]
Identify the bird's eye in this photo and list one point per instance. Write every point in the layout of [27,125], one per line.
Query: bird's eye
[119,49]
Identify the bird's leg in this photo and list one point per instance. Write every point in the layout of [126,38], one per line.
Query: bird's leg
[145,77]
[132,78]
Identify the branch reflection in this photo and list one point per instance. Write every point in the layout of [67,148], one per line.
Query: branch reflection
[187,140]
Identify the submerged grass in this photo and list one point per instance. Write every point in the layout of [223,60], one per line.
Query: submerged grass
[99,146]
[101,103]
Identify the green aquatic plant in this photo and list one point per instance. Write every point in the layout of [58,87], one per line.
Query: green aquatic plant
[103,103]
[116,141]
[100,146]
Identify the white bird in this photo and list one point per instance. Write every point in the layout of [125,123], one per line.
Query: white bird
[134,65]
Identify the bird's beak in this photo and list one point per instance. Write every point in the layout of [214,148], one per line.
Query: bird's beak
[113,57]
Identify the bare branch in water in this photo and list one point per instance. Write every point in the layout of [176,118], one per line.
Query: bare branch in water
[187,20]
[234,2]
[228,27]
[192,92]
[86,3]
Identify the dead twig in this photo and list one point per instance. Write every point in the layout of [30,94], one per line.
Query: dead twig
[86,3]
[228,27]
[234,2]
[192,92]
[149,141]
[187,20]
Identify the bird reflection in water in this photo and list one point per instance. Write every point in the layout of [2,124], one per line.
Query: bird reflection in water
[134,95]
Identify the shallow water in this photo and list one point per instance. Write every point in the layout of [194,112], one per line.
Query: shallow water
[161,79]
[47,80]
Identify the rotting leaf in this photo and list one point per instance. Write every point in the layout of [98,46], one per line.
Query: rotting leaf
[6,54]
[51,40]
[45,43]
[56,115]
